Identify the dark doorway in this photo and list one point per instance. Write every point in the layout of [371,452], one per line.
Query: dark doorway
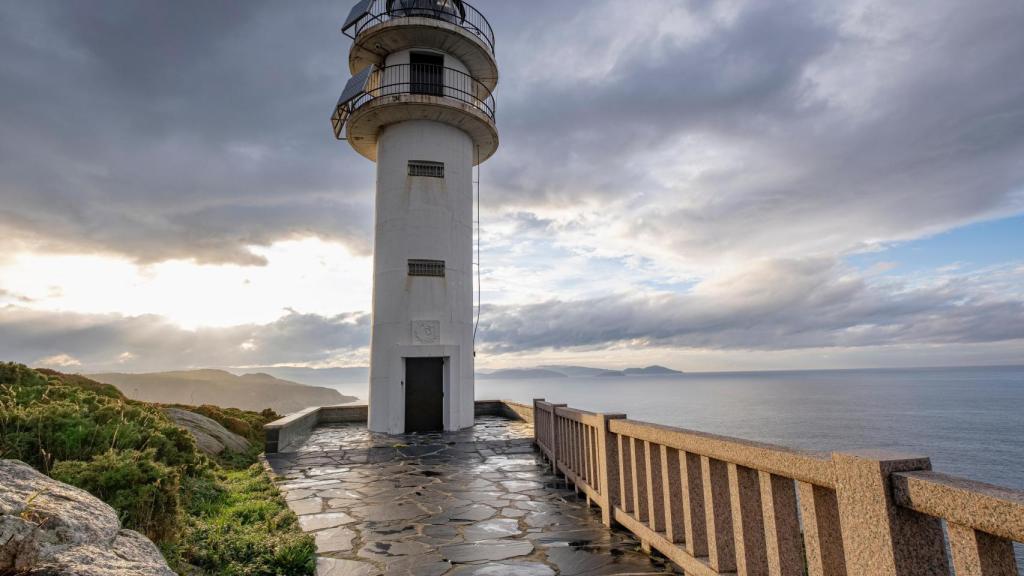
[424,394]
[426,74]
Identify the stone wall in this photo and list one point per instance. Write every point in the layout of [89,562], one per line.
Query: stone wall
[284,432]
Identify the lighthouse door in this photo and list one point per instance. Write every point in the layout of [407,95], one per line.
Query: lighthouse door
[424,394]
[426,74]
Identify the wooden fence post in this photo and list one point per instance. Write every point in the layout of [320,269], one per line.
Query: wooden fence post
[879,537]
[554,438]
[536,420]
[608,467]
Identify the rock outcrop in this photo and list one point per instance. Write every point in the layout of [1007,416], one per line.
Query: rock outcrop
[50,528]
[211,437]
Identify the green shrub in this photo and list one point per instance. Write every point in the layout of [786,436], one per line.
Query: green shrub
[108,390]
[43,421]
[143,491]
[248,425]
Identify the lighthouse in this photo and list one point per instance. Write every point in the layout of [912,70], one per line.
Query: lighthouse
[420,104]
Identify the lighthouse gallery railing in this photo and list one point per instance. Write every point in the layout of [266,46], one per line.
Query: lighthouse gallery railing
[369,13]
[414,79]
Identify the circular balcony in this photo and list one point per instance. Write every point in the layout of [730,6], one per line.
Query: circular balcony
[383,27]
[378,97]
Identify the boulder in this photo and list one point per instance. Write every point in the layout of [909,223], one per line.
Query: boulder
[211,437]
[48,527]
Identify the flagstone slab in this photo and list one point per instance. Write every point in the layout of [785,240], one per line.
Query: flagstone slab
[487,551]
[334,540]
[314,522]
[336,567]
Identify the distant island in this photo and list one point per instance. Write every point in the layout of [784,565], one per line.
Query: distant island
[651,371]
[221,388]
[521,374]
[558,371]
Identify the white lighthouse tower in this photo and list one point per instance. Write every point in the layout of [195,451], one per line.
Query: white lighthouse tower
[420,105]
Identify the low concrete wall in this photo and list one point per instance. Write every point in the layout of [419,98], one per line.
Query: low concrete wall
[520,411]
[282,433]
[504,408]
[344,414]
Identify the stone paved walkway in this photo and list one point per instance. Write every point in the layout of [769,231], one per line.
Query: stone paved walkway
[477,502]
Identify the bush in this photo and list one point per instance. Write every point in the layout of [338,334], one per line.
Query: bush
[143,491]
[108,390]
[43,421]
[248,425]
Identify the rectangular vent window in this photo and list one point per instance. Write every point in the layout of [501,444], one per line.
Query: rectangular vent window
[434,268]
[428,169]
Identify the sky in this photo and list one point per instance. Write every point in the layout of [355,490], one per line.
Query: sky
[706,185]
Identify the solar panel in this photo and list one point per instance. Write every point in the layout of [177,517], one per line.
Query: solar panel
[358,11]
[356,85]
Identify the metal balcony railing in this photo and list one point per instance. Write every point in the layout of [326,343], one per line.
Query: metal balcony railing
[372,12]
[426,79]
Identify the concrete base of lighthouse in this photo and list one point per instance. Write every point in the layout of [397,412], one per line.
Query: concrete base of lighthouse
[421,317]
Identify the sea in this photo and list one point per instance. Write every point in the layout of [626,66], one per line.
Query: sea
[969,421]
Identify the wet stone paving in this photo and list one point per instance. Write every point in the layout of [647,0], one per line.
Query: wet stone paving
[476,502]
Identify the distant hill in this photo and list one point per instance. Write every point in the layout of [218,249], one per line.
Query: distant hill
[559,371]
[651,371]
[520,374]
[220,388]
[578,371]
[328,377]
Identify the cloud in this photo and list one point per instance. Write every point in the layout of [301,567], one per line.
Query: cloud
[116,342]
[790,129]
[59,361]
[777,305]
[726,129]
[145,131]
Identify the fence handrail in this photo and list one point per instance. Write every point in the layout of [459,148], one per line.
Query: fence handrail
[811,467]
[991,509]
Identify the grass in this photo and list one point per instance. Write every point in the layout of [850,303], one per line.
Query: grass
[209,516]
[241,525]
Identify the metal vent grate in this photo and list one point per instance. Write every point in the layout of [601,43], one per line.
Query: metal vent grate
[434,268]
[427,169]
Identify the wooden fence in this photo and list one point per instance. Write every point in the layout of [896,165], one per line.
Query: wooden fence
[719,506]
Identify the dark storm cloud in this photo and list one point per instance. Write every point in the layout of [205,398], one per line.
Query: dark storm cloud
[192,129]
[842,136]
[175,129]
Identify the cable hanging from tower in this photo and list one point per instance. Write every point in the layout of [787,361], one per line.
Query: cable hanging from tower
[479,284]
